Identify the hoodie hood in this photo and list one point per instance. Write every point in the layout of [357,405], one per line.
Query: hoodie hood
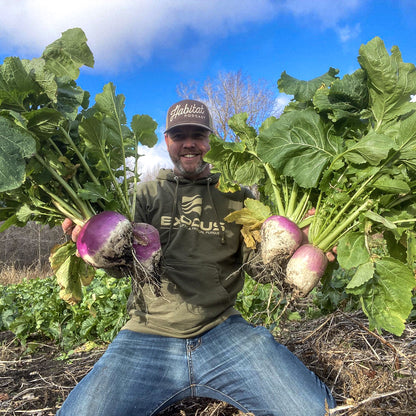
[167,174]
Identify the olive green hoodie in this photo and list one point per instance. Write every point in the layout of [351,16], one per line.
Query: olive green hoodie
[202,256]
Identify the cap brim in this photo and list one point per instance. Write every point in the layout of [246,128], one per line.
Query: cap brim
[189,124]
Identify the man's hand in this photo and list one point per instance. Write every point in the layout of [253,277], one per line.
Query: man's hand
[71,229]
[331,255]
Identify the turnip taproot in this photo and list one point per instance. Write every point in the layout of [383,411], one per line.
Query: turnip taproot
[305,268]
[280,237]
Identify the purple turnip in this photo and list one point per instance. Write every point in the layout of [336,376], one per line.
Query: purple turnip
[146,244]
[106,240]
[109,240]
[280,237]
[305,268]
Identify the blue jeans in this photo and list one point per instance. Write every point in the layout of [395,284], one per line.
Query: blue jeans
[142,374]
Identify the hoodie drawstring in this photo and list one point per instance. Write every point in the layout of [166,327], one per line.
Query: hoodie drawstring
[222,232]
[172,216]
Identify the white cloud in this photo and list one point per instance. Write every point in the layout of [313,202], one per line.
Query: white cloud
[325,14]
[153,159]
[281,101]
[347,32]
[126,32]
[121,32]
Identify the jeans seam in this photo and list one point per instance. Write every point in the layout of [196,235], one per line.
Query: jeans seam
[229,400]
[162,404]
[190,369]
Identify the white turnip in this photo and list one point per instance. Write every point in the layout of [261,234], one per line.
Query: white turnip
[305,268]
[280,237]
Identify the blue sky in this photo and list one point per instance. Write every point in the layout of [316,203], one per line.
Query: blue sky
[148,47]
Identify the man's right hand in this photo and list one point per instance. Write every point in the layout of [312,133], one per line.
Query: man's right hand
[70,228]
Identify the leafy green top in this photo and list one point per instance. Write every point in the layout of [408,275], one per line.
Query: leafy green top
[59,157]
[345,146]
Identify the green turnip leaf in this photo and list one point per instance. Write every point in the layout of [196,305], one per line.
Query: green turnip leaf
[15,84]
[15,145]
[372,148]
[363,274]
[245,133]
[143,127]
[70,98]
[299,145]
[389,302]
[111,104]
[378,218]
[304,90]
[391,82]
[392,185]
[406,140]
[43,122]
[235,163]
[45,79]
[67,54]
[352,250]
[345,98]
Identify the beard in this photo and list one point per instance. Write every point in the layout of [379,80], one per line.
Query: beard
[202,165]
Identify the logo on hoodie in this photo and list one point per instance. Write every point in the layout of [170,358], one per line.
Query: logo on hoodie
[190,217]
[192,204]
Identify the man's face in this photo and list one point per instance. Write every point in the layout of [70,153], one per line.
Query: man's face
[187,145]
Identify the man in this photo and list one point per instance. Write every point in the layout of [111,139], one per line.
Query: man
[189,340]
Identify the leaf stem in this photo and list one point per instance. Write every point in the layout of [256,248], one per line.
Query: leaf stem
[121,194]
[301,209]
[80,156]
[133,197]
[120,134]
[63,207]
[403,221]
[292,201]
[86,213]
[330,238]
[275,186]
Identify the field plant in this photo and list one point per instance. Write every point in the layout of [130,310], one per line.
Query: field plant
[344,147]
[263,304]
[33,310]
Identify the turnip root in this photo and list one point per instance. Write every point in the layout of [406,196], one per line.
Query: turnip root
[305,268]
[106,240]
[280,237]
[146,245]
[109,240]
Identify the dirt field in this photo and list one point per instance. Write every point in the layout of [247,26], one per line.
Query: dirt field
[368,373]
